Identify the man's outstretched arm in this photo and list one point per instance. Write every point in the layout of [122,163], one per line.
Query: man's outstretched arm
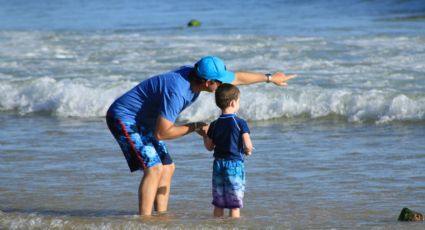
[246,78]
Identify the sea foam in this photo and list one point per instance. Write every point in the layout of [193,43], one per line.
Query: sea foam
[364,78]
[264,103]
[64,98]
[81,98]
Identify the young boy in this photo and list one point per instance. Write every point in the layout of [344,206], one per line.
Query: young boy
[229,137]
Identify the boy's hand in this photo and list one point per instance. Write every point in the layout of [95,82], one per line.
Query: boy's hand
[248,153]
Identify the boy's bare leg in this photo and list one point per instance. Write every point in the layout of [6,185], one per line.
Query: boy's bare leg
[235,212]
[148,188]
[164,187]
[218,212]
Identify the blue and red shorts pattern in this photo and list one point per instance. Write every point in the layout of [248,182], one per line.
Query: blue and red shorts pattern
[139,146]
[228,183]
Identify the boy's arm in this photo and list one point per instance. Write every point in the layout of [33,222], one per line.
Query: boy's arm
[247,143]
[208,143]
[246,78]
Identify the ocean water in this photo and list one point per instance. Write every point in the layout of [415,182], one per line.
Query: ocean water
[341,147]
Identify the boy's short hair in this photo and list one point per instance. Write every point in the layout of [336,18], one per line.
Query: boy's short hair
[224,94]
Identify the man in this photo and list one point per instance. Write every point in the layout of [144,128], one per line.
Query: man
[145,116]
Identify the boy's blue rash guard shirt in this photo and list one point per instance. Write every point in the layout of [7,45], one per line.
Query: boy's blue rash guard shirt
[166,94]
[226,133]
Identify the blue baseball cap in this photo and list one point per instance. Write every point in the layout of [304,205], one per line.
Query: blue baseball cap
[213,68]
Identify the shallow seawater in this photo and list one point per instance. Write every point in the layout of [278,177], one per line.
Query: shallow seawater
[342,147]
[69,173]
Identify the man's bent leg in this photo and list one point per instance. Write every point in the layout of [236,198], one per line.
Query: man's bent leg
[163,192]
[148,188]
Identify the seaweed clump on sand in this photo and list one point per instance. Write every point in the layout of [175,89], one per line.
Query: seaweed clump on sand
[410,215]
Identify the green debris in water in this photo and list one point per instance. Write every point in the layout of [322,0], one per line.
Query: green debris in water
[410,215]
[194,23]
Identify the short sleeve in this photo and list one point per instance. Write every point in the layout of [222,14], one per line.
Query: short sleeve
[171,106]
[243,126]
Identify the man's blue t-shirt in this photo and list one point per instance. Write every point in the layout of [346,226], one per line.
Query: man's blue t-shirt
[226,133]
[166,94]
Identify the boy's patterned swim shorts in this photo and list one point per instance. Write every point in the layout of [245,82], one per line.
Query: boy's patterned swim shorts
[228,183]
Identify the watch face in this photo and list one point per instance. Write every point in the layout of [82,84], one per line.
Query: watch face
[269,77]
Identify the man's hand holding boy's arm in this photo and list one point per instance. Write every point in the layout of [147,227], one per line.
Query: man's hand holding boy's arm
[202,129]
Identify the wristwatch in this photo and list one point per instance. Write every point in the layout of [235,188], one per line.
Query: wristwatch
[269,77]
[196,128]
